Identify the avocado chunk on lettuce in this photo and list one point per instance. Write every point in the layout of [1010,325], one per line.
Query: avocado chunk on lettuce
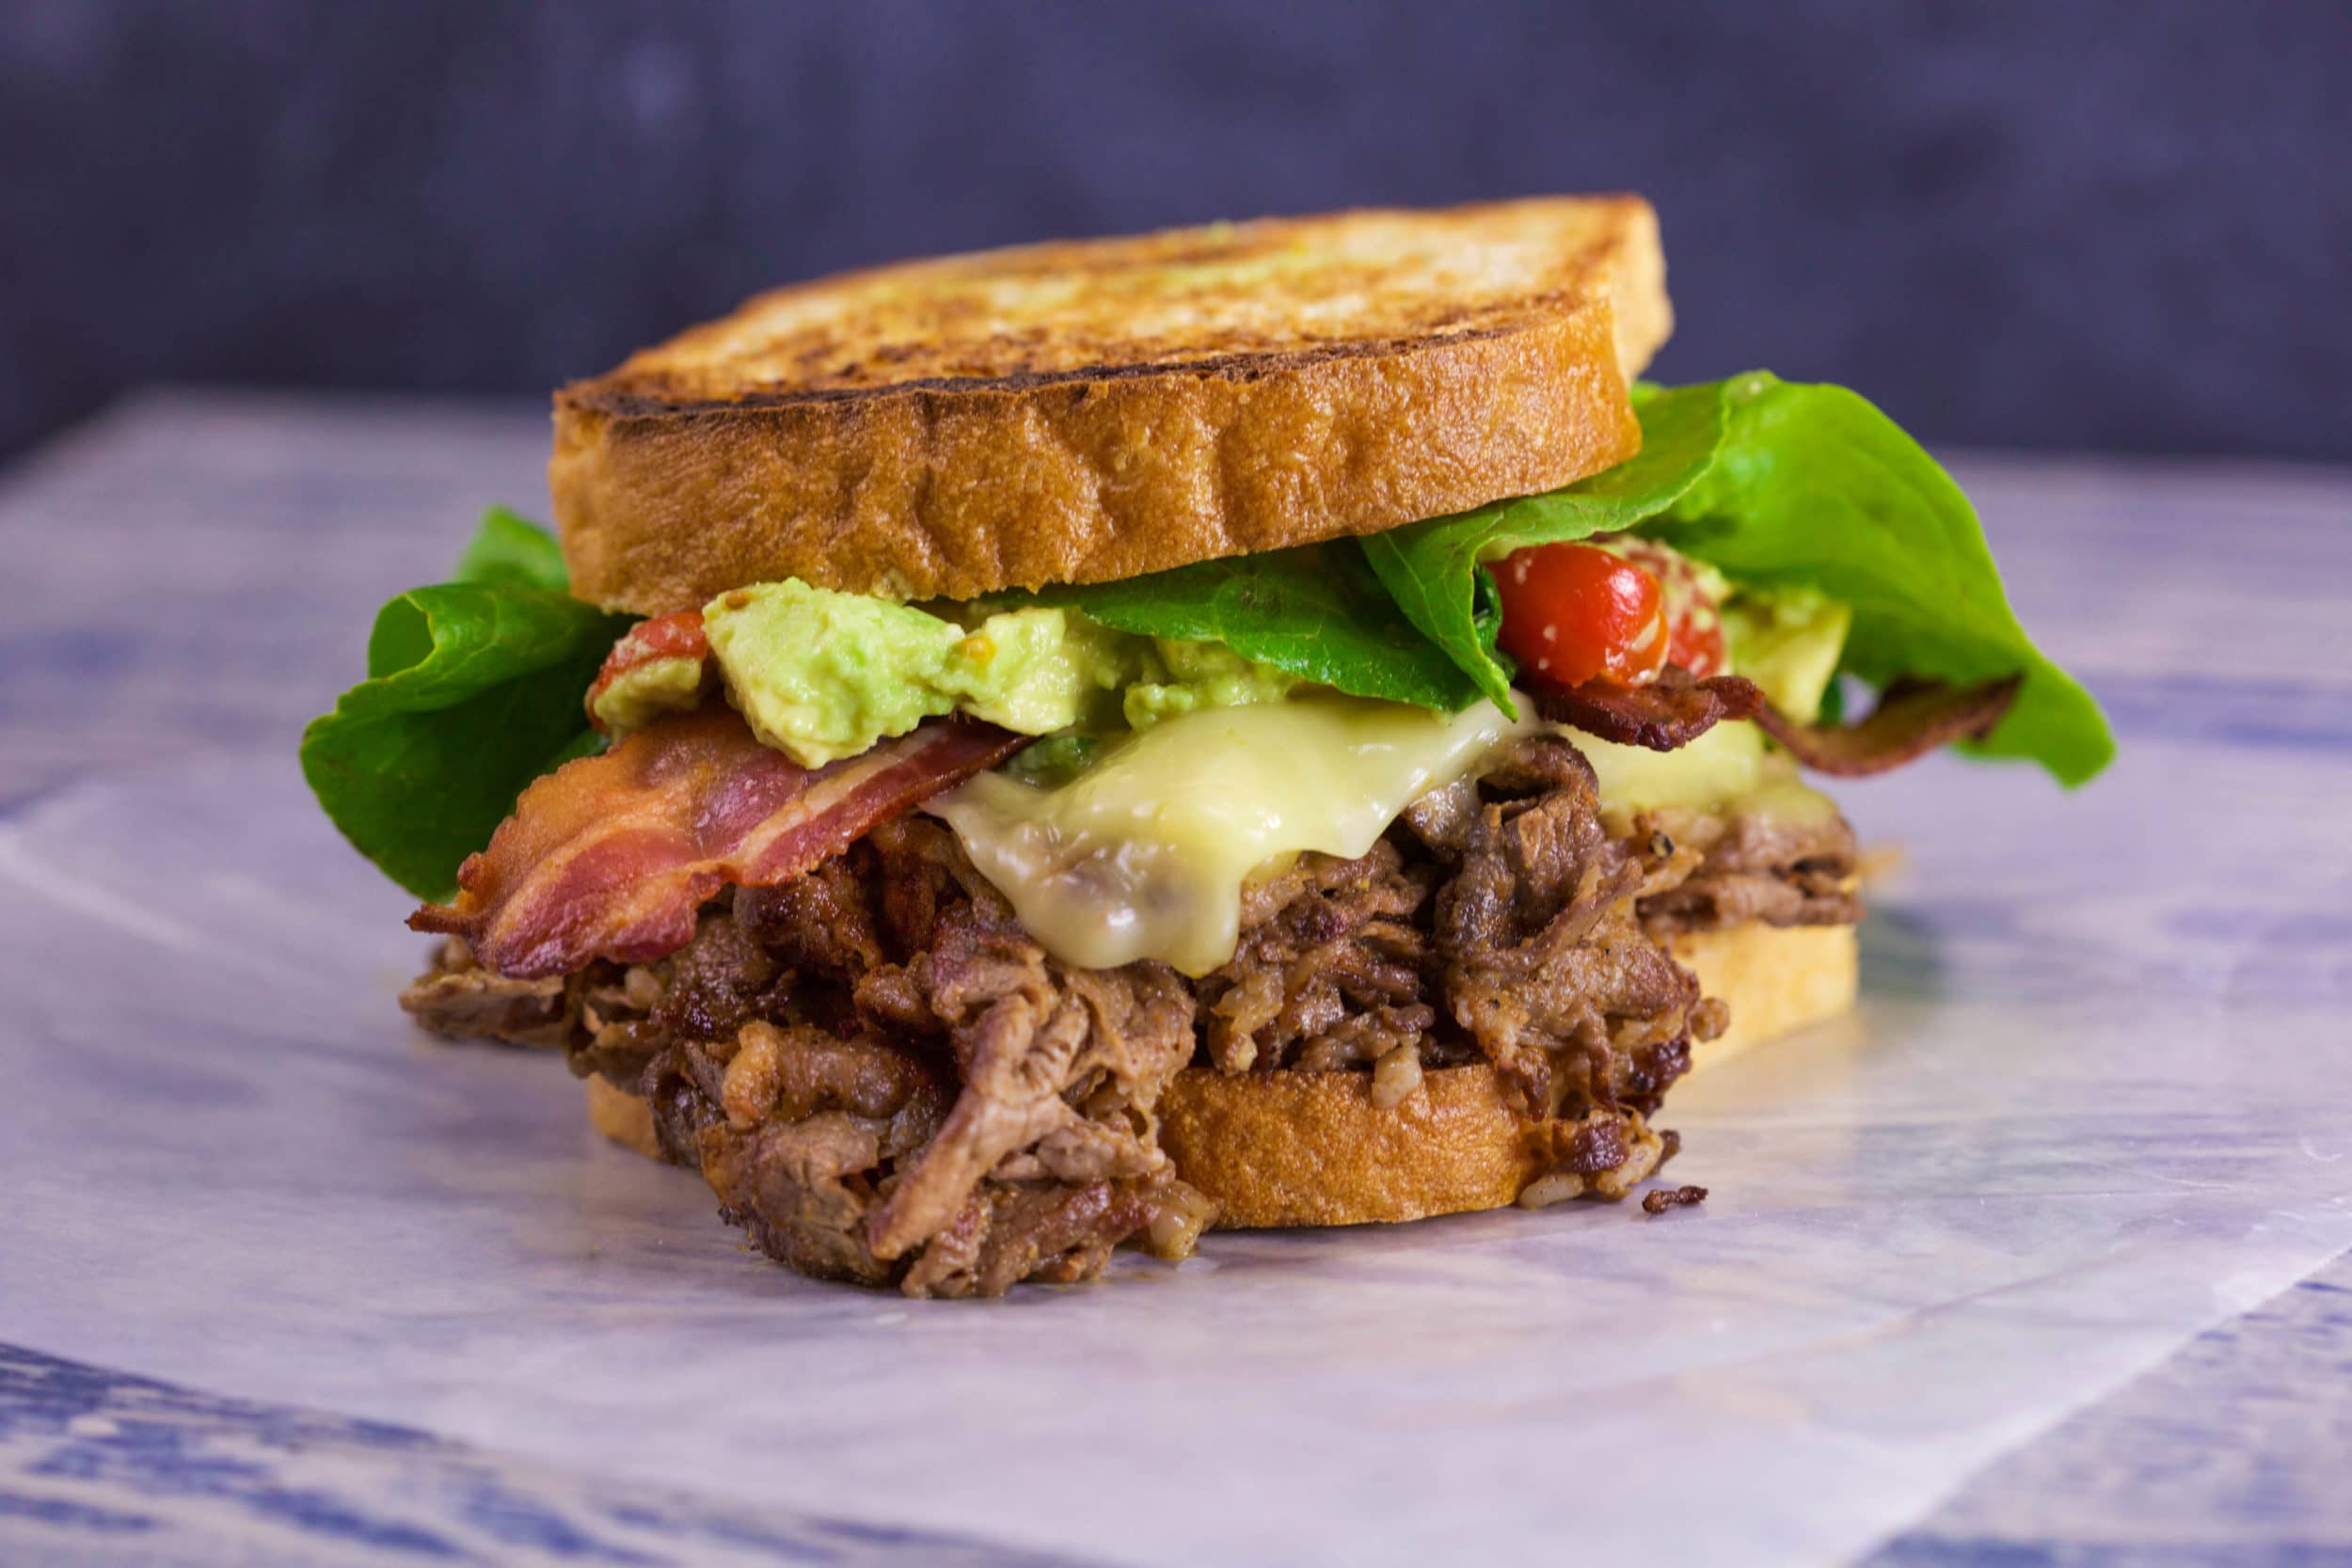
[822,676]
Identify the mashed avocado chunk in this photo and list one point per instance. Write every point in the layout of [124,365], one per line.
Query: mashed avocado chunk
[1788,643]
[821,676]
[644,693]
[1197,676]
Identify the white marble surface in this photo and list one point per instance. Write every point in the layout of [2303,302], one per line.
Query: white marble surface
[2098,1101]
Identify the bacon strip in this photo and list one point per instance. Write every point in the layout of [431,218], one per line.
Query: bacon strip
[1664,714]
[611,856]
[1913,717]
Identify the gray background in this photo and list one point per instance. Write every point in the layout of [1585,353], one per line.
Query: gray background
[2103,225]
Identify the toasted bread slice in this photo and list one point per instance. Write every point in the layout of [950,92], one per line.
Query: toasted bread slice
[1292,1149]
[1288,1149]
[1098,409]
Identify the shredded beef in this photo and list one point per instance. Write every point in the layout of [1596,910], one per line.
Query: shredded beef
[1056,1061]
[1545,965]
[885,1079]
[1334,964]
[1781,870]
[716,983]
[1672,1198]
[469,1002]
[789,1125]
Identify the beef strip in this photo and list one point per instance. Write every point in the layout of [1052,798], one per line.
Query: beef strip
[1052,1059]
[459,998]
[885,1079]
[791,1129]
[1545,964]
[1782,870]
[1672,1198]
[1334,963]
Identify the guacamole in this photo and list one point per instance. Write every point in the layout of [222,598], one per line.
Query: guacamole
[1190,676]
[644,693]
[1788,641]
[821,676]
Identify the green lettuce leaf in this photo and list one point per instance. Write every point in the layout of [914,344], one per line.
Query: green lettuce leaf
[509,547]
[1778,485]
[1432,570]
[473,690]
[1316,611]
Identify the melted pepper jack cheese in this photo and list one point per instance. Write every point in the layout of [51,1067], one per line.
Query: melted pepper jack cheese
[1145,854]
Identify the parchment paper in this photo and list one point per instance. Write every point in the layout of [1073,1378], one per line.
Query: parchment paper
[2096,1098]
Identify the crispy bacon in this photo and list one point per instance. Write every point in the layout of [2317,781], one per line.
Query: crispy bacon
[611,856]
[1913,717]
[1668,712]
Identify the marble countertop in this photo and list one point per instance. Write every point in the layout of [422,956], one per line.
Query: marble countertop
[190,576]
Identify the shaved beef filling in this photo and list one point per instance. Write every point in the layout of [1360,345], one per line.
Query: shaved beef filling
[1783,871]
[885,1079]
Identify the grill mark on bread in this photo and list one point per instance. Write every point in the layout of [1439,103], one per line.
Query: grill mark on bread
[598,396]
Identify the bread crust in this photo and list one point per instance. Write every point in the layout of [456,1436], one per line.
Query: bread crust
[1094,410]
[1297,1148]
[1310,1149]
[1291,1149]
[1776,980]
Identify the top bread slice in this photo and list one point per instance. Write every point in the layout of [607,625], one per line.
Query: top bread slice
[1091,410]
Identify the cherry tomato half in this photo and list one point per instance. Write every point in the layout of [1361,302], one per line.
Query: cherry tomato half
[1575,612]
[1695,624]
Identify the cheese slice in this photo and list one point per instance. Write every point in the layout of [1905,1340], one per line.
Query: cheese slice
[1145,854]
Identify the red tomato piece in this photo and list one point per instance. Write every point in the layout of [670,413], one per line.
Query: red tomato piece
[1576,613]
[1697,645]
[1694,624]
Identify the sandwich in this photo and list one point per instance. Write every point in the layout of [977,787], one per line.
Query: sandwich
[1017,754]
